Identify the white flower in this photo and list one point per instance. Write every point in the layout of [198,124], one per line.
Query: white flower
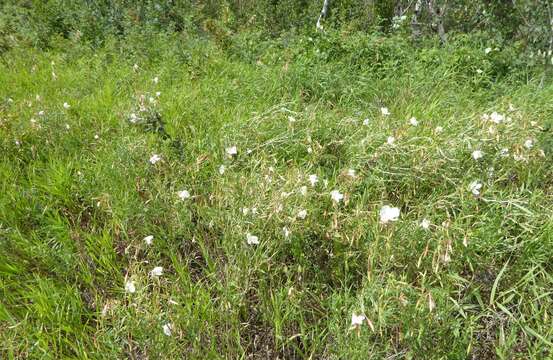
[135,67]
[475,187]
[479,71]
[336,196]
[154,158]
[303,190]
[96,137]
[390,140]
[17,143]
[133,118]
[309,150]
[528,144]
[425,224]
[231,150]
[151,100]
[351,173]
[366,122]
[286,232]
[388,213]
[157,271]
[155,80]
[251,239]
[302,214]
[477,154]
[357,320]
[221,169]
[291,119]
[413,121]
[385,111]
[245,211]
[41,112]
[487,51]
[511,107]
[129,287]
[313,179]
[158,93]
[438,129]
[183,194]
[66,105]
[496,117]
[148,239]
[167,329]
[67,126]
[504,152]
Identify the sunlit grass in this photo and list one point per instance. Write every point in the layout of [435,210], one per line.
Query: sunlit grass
[250,256]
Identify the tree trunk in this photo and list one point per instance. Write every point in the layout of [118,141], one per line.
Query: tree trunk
[437,16]
[415,25]
[322,16]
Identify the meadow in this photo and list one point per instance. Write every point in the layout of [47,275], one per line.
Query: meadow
[329,196]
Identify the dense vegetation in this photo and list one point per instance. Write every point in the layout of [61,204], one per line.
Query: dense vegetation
[220,179]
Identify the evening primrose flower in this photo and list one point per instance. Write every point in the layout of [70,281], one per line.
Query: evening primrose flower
[529,144]
[302,214]
[313,179]
[251,239]
[183,194]
[148,239]
[477,154]
[130,287]
[366,122]
[413,121]
[155,80]
[496,117]
[385,111]
[425,224]
[475,187]
[336,196]
[357,320]
[66,105]
[390,140]
[154,158]
[157,271]
[388,213]
[167,329]
[231,151]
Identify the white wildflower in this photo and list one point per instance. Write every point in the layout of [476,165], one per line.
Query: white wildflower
[529,144]
[183,194]
[504,152]
[477,154]
[496,117]
[232,150]
[154,158]
[390,140]
[157,271]
[388,213]
[385,111]
[438,129]
[221,169]
[336,196]
[167,329]
[303,190]
[148,239]
[351,173]
[366,122]
[487,50]
[413,121]
[475,187]
[425,224]
[302,214]
[66,105]
[130,287]
[357,320]
[252,240]
[313,179]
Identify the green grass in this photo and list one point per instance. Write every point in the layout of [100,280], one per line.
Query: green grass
[78,195]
